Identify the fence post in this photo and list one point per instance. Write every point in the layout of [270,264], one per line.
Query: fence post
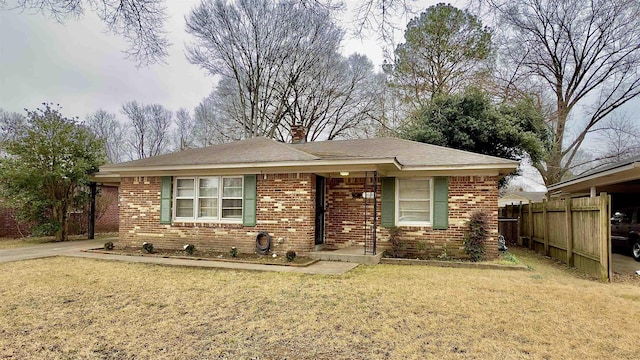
[530,226]
[519,226]
[569,224]
[545,228]
[605,222]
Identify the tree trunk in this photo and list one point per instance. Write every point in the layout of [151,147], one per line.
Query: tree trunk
[62,218]
[555,168]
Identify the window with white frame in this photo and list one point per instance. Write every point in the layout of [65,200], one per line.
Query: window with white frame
[414,201]
[208,198]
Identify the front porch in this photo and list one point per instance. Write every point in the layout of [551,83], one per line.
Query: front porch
[353,254]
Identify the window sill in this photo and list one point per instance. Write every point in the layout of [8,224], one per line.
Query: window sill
[414,224]
[192,221]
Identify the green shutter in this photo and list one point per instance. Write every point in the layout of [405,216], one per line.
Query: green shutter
[441,202]
[388,201]
[165,200]
[249,201]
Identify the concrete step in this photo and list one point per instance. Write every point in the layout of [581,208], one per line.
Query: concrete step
[346,256]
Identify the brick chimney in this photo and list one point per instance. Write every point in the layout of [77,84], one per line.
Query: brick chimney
[298,134]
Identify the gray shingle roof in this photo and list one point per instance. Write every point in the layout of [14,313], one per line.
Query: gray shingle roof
[246,151]
[408,153]
[263,150]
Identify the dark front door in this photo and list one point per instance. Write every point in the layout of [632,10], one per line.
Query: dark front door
[320,208]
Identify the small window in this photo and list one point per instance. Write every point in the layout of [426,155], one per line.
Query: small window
[208,198]
[414,201]
[184,198]
[232,198]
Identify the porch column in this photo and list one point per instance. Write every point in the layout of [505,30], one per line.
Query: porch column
[92,211]
[593,192]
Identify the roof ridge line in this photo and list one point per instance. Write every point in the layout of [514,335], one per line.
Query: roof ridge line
[289,147]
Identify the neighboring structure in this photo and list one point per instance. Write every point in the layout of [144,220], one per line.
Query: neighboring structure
[107,217]
[307,195]
[520,197]
[621,180]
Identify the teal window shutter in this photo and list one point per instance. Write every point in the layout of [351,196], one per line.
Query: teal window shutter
[388,201]
[249,201]
[165,200]
[441,202]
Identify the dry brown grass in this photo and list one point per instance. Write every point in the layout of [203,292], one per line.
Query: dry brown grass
[7,243]
[82,308]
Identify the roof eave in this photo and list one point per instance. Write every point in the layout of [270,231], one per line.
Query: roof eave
[593,178]
[311,163]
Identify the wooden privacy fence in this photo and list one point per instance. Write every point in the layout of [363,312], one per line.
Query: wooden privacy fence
[574,231]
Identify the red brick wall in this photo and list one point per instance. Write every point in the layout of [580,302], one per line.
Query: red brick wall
[345,217]
[107,201]
[9,227]
[285,209]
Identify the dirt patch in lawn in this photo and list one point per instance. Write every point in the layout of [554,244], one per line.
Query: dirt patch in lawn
[212,255]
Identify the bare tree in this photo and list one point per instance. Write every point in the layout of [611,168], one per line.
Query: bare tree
[140,22]
[11,124]
[338,98]
[380,17]
[264,47]
[584,55]
[184,132]
[149,124]
[104,125]
[619,137]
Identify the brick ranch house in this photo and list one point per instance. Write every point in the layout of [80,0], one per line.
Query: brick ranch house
[307,196]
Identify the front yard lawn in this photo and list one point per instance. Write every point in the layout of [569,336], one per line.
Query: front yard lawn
[83,308]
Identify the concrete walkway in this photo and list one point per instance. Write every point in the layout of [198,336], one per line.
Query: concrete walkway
[624,264]
[51,249]
[74,249]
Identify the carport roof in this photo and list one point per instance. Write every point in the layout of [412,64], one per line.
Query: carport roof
[624,171]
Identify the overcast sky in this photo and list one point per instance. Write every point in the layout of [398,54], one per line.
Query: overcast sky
[79,66]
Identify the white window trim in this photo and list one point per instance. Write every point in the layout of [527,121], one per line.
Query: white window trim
[397,204]
[196,194]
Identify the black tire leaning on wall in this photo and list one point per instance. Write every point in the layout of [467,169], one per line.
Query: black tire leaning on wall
[263,242]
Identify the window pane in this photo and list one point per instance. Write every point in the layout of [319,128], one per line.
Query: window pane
[414,189]
[414,216]
[209,187]
[414,200]
[232,208]
[414,211]
[208,208]
[184,208]
[232,187]
[414,206]
[185,188]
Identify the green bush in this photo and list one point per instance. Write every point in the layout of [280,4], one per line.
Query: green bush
[148,247]
[108,245]
[233,252]
[509,258]
[189,249]
[397,247]
[291,255]
[476,236]
[443,255]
